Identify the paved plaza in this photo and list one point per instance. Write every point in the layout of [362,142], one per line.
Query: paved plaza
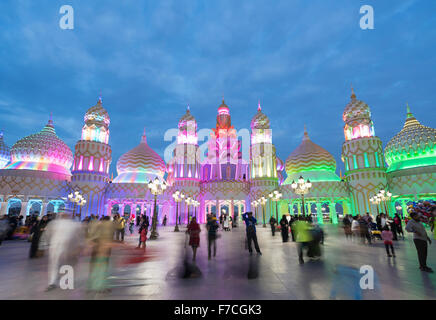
[280,276]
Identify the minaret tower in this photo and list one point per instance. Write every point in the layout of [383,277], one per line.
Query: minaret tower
[92,158]
[362,154]
[263,159]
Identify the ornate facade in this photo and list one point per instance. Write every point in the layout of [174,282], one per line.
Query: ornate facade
[39,171]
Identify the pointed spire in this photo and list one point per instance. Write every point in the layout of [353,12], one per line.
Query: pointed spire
[188,108]
[1,134]
[306,135]
[50,120]
[409,113]
[353,95]
[100,99]
[144,137]
[259,108]
[340,173]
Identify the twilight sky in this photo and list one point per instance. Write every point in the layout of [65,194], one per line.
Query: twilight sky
[150,58]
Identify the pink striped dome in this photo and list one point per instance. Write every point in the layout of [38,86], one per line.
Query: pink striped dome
[140,164]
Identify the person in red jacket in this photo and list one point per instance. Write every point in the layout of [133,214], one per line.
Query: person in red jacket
[194,236]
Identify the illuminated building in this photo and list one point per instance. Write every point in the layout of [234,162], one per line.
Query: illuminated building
[236,168]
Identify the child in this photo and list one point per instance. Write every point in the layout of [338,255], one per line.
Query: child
[131,225]
[387,237]
[143,235]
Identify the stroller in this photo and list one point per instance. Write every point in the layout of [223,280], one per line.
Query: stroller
[374,232]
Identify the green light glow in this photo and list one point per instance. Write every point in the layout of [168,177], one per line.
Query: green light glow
[347,167]
[377,161]
[355,161]
[412,163]
[365,155]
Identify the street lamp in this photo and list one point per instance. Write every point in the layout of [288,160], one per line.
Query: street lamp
[301,187]
[262,200]
[77,199]
[255,204]
[189,201]
[375,200]
[385,196]
[156,188]
[275,196]
[178,197]
[195,203]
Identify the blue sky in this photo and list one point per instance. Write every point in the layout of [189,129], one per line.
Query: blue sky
[150,58]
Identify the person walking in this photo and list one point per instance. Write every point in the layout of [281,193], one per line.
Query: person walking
[420,239]
[194,236]
[131,225]
[273,223]
[226,223]
[398,225]
[38,230]
[212,228]
[120,225]
[347,227]
[164,222]
[250,224]
[355,227]
[142,236]
[284,228]
[291,225]
[303,237]
[387,237]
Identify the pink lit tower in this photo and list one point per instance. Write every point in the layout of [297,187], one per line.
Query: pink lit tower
[362,154]
[92,158]
[184,168]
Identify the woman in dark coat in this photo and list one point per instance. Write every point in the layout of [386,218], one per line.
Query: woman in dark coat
[194,236]
[38,230]
[284,226]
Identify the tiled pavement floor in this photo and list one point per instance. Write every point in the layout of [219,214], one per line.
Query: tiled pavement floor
[280,276]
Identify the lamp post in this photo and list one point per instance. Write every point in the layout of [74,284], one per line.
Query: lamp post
[156,188]
[375,200]
[255,204]
[178,197]
[301,187]
[262,200]
[195,203]
[385,196]
[77,199]
[276,196]
[189,201]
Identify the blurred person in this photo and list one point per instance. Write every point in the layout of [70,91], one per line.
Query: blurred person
[4,228]
[164,222]
[387,237]
[392,227]
[303,236]
[355,227]
[398,225]
[142,236]
[314,250]
[194,236]
[38,231]
[273,223]
[226,223]
[64,238]
[347,226]
[420,239]
[102,239]
[284,228]
[131,225]
[212,228]
[291,224]
[364,230]
[250,225]
[120,224]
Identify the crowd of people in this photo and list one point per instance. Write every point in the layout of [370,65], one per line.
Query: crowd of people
[63,239]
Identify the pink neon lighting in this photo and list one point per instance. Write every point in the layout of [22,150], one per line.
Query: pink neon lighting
[101,166]
[91,164]
[80,163]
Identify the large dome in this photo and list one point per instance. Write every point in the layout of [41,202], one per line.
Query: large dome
[260,120]
[413,146]
[42,151]
[5,153]
[186,120]
[311,161]
[140,165]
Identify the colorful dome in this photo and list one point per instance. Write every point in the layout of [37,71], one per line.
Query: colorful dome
[42,151]
[413,146]
[356,109]
[260,120]
[97,114]
[311,161]
[5,153]
[140,165]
